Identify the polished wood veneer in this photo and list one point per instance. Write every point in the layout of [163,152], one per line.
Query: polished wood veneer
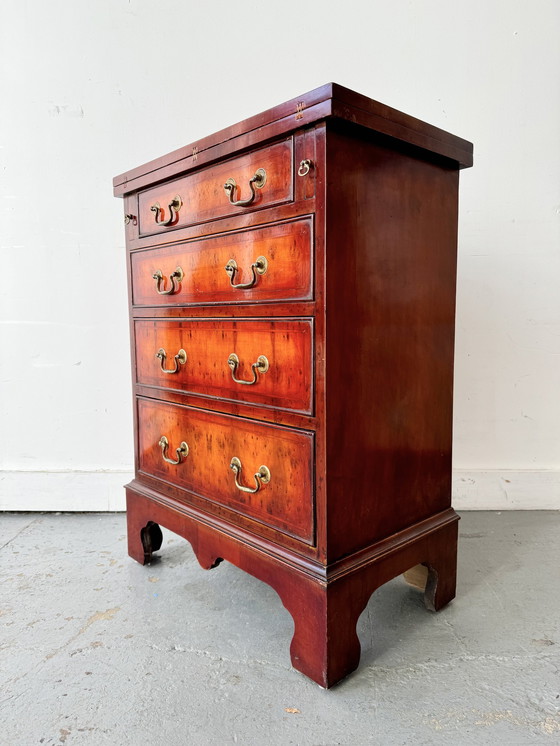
[286,246]
[285,502]
[202,193]
[287,344]
[326,472]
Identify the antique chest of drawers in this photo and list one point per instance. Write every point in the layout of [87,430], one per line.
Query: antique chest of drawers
[292,306]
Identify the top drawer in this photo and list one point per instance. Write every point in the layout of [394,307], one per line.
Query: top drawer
[258,179]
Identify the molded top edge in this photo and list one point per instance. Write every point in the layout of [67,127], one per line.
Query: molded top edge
[345,105]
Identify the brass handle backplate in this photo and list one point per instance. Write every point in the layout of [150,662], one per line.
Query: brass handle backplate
[180,359]
[259,267]
[261,477]
[261,366]
[255,182]
[174,207]
[177,274]
[182,452]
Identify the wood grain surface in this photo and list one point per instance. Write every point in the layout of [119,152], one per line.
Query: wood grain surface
[286,502]
[390,369]
[202,192]
[356,316]
[287,247]
[287,345]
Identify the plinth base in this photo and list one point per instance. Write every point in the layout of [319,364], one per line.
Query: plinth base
[325,602]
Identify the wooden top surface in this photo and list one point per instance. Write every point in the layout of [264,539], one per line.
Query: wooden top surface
[331,101]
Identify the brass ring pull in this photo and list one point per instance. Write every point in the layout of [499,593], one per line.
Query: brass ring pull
[180,359]
[158,277]
[182,452]
[305,167]
[259,267]
[255,182]
[174,207]
[261,366]
[261,477]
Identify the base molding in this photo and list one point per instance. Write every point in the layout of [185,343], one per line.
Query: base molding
[164,507]
[325,607]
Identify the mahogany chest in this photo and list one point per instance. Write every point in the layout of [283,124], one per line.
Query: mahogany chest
[292,307]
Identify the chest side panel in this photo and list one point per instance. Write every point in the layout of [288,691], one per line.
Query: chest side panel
[391,268]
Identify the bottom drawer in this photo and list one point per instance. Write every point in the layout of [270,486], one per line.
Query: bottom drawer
[272,476]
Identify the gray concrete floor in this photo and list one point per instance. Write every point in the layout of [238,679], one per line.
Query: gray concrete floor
[95,649]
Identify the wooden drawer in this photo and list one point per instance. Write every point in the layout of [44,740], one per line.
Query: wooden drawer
[286,345]
[202,197]
[285,502]
[287,248]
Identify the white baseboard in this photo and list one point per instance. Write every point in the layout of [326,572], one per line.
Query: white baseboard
[96,491]
[100,491]
[520,489]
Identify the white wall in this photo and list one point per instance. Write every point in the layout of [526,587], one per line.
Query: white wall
[91,88]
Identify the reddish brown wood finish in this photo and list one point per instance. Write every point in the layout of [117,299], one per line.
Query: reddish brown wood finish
[325,606]
[329,101]
[287,345]
[204,198]
[360,448]
[286,502]
[393,290]
[286,246]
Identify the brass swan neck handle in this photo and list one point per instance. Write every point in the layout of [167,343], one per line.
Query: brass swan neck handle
[182,452]
[257,181]
[173,207]
[259,267]
[262,476]
[177,275]
[261,366]
[180,359]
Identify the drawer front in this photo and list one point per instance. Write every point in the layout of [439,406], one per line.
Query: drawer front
[284,502]
[201,196]
[197,353]
[285,247]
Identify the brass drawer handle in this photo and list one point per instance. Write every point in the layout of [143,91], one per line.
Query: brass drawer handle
[255,182]
[180,359]
[259,267]
[305,167]
[174,207]
[261,477]
[261,366]
[182,452]
[158,277]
